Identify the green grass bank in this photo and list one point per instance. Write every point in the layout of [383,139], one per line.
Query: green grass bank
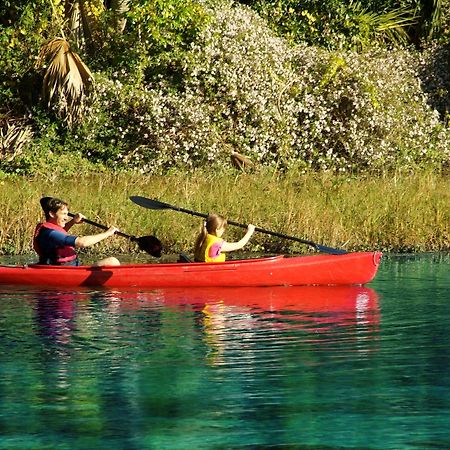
[389,213]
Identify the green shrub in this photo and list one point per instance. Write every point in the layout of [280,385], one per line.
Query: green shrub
[288,105]
[356,23]
[284,106]
[338,24]
[236,85]
[23,29]
[153,44]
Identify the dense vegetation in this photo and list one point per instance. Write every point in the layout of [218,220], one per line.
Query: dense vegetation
[389,213]
[154,85]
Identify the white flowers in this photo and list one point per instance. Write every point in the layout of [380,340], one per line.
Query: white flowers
[281,105]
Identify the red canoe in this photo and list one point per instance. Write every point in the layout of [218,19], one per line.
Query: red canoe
[348,269]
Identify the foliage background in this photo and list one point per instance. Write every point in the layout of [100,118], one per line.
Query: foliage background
[336,86]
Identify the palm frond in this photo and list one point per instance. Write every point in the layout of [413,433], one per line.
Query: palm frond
[83,20]
[66,80]
[388,26]
[13,138]
[119,9]
[239,161]
[394,24]
[436,18]
[74,23]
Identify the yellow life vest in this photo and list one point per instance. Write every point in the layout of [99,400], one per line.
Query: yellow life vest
[204,251]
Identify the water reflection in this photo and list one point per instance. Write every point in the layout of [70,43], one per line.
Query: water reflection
[224,317]
[279,306]
[232,319]
[230,368]
[140,369]
[55,312]
[229,318]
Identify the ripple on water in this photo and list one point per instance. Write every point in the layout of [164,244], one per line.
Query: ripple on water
[305,368]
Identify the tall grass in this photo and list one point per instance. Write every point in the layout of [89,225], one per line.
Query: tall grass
[397,214]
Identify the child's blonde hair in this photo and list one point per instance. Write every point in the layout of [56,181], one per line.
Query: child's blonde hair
[212,223]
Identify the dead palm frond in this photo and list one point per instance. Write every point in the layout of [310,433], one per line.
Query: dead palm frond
[12,140]
[119,8]
[74,23]
[83,20]
[66,80]
[241,162]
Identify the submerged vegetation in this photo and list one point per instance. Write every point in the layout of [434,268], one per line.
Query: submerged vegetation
[337,111]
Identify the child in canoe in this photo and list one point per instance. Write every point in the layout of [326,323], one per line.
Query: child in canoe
[210,247]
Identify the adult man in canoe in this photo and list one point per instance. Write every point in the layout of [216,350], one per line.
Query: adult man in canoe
[55,246]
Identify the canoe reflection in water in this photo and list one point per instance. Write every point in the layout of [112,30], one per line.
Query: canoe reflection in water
[231,317]
[228,319]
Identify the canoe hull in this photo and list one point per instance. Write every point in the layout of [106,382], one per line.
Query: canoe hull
[349,269]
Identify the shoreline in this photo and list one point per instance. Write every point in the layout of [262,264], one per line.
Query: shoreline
[394,214]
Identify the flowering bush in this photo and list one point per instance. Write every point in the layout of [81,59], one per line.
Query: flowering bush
[285,106]
[149,130]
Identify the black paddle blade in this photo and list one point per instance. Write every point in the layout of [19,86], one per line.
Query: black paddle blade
[150,244]
[150,204]
[331,251]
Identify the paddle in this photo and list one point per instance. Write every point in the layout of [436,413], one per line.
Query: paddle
[149,244]
[155,204]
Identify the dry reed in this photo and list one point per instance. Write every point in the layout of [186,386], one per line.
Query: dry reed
[395,214]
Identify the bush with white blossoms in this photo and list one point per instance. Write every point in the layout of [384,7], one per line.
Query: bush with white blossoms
[149,130]
[284,106]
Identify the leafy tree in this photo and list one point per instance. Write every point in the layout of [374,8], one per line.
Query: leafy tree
[353,23]
[153,44]
[24,26]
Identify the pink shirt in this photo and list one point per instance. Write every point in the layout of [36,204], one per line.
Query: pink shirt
[215,249]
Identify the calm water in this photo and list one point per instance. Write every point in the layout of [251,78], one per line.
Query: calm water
[300,368]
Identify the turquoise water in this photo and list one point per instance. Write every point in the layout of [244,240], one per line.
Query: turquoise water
[300,368]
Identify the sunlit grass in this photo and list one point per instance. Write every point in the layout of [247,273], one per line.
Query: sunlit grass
[398,214]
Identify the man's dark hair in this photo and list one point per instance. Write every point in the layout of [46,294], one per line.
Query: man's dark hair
[51,204]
